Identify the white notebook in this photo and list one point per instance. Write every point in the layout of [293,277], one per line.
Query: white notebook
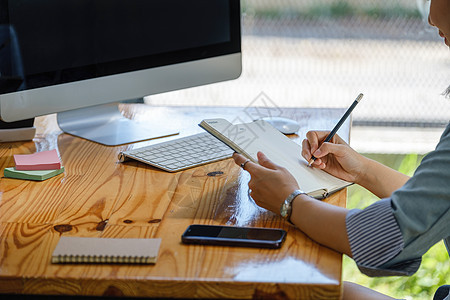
[249,138]
[106,250]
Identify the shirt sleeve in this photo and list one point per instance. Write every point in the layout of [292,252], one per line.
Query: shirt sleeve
[422,206]
[375,238]
[390,236]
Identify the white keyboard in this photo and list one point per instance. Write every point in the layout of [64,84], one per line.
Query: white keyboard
[183,153]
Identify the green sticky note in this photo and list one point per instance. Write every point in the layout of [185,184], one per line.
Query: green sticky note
[38,175]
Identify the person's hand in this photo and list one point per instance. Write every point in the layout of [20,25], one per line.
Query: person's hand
[335,157]
[270,184]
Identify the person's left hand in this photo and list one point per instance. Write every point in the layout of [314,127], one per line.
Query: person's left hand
[270,184]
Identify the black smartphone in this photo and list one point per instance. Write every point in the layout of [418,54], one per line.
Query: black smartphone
[234,236]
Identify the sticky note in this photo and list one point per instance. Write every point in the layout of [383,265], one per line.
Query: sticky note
[37,175]
[45,160]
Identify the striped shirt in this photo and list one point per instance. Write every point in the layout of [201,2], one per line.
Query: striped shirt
[390,236]
[375,238]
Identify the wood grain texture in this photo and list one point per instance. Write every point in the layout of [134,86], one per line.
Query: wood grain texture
[99,197]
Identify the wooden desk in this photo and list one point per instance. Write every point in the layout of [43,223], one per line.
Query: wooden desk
[99,197]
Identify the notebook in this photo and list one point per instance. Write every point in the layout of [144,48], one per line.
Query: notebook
[106,250]
[249,138]
[38,175]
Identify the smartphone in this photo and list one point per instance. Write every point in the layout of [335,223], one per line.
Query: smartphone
[234,236]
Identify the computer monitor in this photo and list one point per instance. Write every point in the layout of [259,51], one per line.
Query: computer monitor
[79,58]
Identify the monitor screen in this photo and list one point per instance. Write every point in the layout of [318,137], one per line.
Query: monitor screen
[77,45]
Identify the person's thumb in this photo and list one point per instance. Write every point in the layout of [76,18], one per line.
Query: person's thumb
[266,162]
[328,148]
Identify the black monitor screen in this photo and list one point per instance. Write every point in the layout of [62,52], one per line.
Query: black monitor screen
[65,40]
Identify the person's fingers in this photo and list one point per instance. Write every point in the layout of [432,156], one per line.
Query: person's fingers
[241,161]
[246,164]
[238,158]
[320,165]
[307,155]
[316,138]
[317,163]
[327,148]
[266,162]
[337,140]
[306,150]
[313,139]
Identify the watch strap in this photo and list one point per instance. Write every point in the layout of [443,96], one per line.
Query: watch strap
[286,206]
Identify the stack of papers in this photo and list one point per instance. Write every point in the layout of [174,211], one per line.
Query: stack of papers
[38,166]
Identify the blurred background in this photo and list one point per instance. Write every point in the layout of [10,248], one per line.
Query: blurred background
[323,53]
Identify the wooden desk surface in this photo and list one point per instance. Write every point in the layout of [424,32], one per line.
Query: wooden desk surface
[99,197]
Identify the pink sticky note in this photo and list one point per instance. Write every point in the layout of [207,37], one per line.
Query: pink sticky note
[45,160]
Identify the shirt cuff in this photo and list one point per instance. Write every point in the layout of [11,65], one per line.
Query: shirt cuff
[407,268]
[375,238]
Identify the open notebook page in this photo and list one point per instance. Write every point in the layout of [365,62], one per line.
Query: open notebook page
[261,136]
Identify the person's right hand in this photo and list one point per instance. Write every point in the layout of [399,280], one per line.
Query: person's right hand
[335,157]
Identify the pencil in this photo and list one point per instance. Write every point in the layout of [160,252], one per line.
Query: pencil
[339,124]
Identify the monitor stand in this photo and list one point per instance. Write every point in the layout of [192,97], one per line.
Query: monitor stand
[104,124]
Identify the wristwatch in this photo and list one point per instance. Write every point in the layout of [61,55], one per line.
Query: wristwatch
[286,207]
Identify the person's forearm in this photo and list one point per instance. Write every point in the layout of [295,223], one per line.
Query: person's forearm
[323,222]
[380,179]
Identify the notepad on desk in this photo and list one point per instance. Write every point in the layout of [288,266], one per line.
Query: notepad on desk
[250,138]
[38,175]
[106,250]
[45,160]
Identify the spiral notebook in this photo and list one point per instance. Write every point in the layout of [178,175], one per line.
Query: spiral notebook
[249,138]
[106,250]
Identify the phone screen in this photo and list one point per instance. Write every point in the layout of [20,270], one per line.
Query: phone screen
[234,236]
